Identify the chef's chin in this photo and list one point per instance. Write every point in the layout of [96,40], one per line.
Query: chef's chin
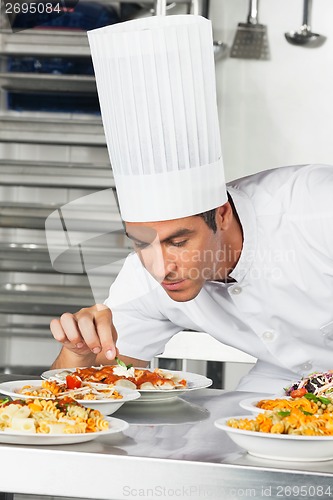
[183,295]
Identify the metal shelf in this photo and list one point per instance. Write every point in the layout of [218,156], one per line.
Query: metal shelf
[53,174]
[25,330]
[42,299]
[44,42]
[33,215]
[35,259]
[37,128]
[47,82]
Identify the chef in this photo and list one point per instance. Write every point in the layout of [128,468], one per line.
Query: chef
[249,262]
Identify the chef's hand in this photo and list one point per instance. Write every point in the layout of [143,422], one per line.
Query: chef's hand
[86,335]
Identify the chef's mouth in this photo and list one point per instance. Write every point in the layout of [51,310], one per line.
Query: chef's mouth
[173,285]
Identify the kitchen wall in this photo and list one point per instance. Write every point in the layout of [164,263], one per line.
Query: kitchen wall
[276,112]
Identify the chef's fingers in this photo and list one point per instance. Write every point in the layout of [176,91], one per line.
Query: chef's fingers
[72,331]
[85,325]
[107,333]
[90,328]
[58,331]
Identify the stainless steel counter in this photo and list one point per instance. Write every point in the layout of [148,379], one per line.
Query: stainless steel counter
[170,450]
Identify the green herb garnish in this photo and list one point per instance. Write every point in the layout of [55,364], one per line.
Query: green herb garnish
[314,398]
[324,400]
[284,413]
[121,363]
[311,396]
[305,412]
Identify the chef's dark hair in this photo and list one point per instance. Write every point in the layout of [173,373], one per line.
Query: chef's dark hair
[210,216]
[210,219]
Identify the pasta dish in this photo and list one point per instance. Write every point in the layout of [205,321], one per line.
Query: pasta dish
[52,389]
[41,416]
[287,422]
[306,416]
[128,376]
[308,403]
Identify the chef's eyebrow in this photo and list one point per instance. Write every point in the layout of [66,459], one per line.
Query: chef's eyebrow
[176,234]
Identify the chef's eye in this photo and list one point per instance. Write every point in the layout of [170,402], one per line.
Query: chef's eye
[179,243]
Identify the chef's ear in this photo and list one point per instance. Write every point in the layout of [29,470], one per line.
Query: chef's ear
[224,216]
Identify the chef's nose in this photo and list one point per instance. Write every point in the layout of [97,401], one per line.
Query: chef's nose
[170,264]
[153,260]
[162,263]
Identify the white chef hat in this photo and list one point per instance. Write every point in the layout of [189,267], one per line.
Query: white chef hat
[155,78]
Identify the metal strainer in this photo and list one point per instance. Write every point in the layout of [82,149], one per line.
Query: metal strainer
[251,40]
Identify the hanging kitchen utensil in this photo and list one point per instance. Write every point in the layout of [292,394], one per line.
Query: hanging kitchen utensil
[251,40]
[304,36]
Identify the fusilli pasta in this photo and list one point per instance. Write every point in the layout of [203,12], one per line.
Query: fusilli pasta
[64,416]
[293,421]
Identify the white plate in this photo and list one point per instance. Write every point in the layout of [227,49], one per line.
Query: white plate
[250,404]
[286,447]
[115,425]
[105,406]
[194,382]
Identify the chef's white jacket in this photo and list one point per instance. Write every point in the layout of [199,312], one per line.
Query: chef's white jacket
[280,307]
